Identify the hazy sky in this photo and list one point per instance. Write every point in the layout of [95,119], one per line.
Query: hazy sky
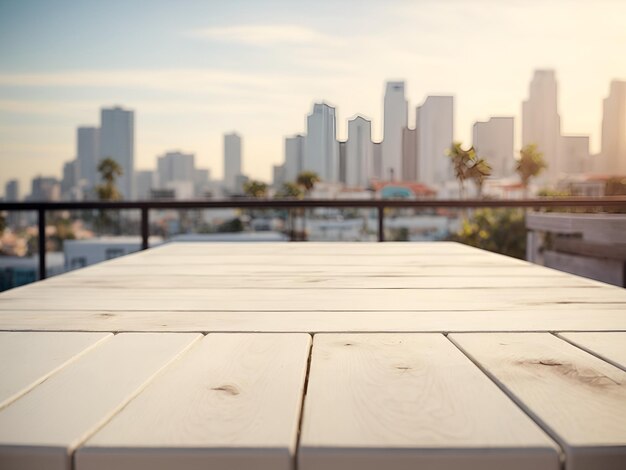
[193,70]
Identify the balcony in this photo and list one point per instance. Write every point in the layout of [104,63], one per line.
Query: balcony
[313,356]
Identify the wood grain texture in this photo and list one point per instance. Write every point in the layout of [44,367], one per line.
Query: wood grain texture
[406,401]
[27,359]
[41,429]
[610,346]
[556,318]
[233,402]
[578,397]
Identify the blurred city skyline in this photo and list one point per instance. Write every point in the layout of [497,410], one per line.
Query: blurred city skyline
[194,70]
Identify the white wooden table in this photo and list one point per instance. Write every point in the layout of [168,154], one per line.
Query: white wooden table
[316,356]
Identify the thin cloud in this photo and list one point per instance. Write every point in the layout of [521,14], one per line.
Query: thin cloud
[266,35]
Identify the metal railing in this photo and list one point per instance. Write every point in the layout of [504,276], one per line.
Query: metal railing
[242,203]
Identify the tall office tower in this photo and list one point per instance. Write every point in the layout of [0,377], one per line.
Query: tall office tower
[321,150]
[45,189]
[232,160]
[359,149]
[144,184]
[395,119]
[278,175]
[409,154]
[541,123]
[342,162]
[88,155]
[377,160]
[435,134]
[574,156]
[117,141]
[12,191]
[614,130]
[70,180]
[294,157]
[175,166]
[493,140]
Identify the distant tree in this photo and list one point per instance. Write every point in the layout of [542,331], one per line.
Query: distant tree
[530,165]
[308,179]
[109,170]
[478,172]
[461,161]
[3,223]
[498,230]
[256,189]
[290,191]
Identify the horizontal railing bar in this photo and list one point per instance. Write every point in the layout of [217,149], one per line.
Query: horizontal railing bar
[607,201]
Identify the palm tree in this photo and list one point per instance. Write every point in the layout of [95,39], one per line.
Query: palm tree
[109,170]
[461,161]
[255,189]
[307,180]
[530,165]
[478,172]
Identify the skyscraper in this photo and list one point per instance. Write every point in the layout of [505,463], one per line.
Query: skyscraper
[12,191]
[409,154]
[175,166]
[359,161]
[574,157]
[541,123]
[321,150]
[614,130]
[493,140]
[395,119]
[294,157]
[232,160]
[435,134]
[69,181]
[88,154]
[117,141]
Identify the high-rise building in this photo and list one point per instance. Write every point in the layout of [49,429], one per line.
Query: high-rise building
[88,155]
[69,182]
[117,141]
[294,157]
[494,140]
[614,130]
[144,184]
[541,123]
[45,189]
[394,120]
[321,150]
[574,156]
[342,161]
[175,166]
[377,160]
[232,161]
[435,134]
[278,175]
[12,191]
[409,154]
[359,162]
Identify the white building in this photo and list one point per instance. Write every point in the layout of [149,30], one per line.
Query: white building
[117,141]
[175,166]
[294,157]
[614,130]
[574,157]
[232,160]
[88,155]
[359,164]
[321,150]
[395,119]
[541,123]
[494,140]
[435,134]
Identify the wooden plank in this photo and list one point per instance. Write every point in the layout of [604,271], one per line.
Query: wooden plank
[255,299]
[233,402]
[27,359]
[610,346]
[555,318]
[406,401]
[578,397]
[42,428]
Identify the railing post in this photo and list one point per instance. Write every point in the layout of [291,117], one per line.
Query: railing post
[145,228]
[381,223]
[41,225]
